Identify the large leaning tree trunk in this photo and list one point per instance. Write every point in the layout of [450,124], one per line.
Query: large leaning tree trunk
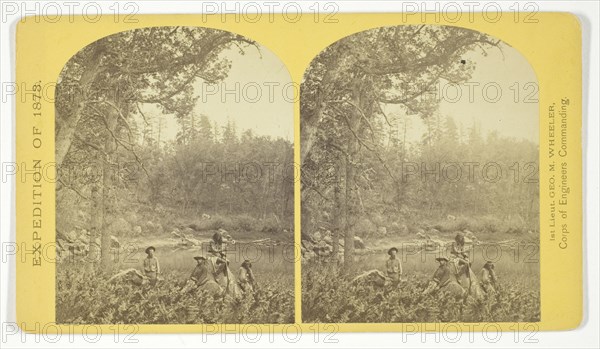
[110,146]
[97,219]
[71,98]
[349,208]
[337,211]
[357,124]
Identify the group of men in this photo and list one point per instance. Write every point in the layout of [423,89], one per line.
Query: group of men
[459,264]
[207,269]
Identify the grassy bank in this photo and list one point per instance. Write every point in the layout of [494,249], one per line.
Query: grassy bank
[84,297]
[329,296]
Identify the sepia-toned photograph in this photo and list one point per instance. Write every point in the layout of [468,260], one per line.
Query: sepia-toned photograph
[420,187]
[175,181]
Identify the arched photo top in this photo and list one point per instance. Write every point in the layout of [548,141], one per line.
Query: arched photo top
[419,149]
[172,142]
[175,71]
[419,70]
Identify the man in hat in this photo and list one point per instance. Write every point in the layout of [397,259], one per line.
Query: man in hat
[393,266]
[216,246]
[200,273]
[151,266]
[458,249]
[488,278]
[460,258]
[441,277]
[246,277]
[204,275]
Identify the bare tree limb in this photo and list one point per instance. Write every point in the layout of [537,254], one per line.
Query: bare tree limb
[362,142]
[122,117]
[122,143]
[137,104]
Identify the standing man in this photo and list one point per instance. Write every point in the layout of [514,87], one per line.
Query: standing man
[151,266]
[393,266]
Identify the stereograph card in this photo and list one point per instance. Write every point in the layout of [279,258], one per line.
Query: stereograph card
[364,172]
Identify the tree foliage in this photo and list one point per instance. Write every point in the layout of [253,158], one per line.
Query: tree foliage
[109,161]
[349,143]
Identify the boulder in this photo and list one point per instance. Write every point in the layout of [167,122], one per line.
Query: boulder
[114,242]
[131,275]
[70,236]
[194,227]
[82,216]
[433,232]
[307,245]
[308,256]
[422,236]
[324,251]
[373,277]
[154,228]
[137,230]
[317,236]
[359,243]
[321,245]
[469,234]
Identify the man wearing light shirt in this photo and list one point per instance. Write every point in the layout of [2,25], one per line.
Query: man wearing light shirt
[393,266]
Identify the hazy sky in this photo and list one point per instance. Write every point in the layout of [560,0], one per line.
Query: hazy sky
[257,95]
[507,72]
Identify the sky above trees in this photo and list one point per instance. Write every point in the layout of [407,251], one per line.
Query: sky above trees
[513,115]
[268,111]
[261,83]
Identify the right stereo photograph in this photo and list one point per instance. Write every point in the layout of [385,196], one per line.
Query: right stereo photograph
[420,179]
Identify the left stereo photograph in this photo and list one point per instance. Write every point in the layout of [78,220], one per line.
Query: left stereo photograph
[175,181]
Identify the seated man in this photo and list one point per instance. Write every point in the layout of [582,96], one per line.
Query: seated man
[441,277]
[460,258]
[217,244]
[204,275]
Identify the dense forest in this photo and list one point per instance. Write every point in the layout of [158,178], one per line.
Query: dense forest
[360,175]
[208,170]
[488,180]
